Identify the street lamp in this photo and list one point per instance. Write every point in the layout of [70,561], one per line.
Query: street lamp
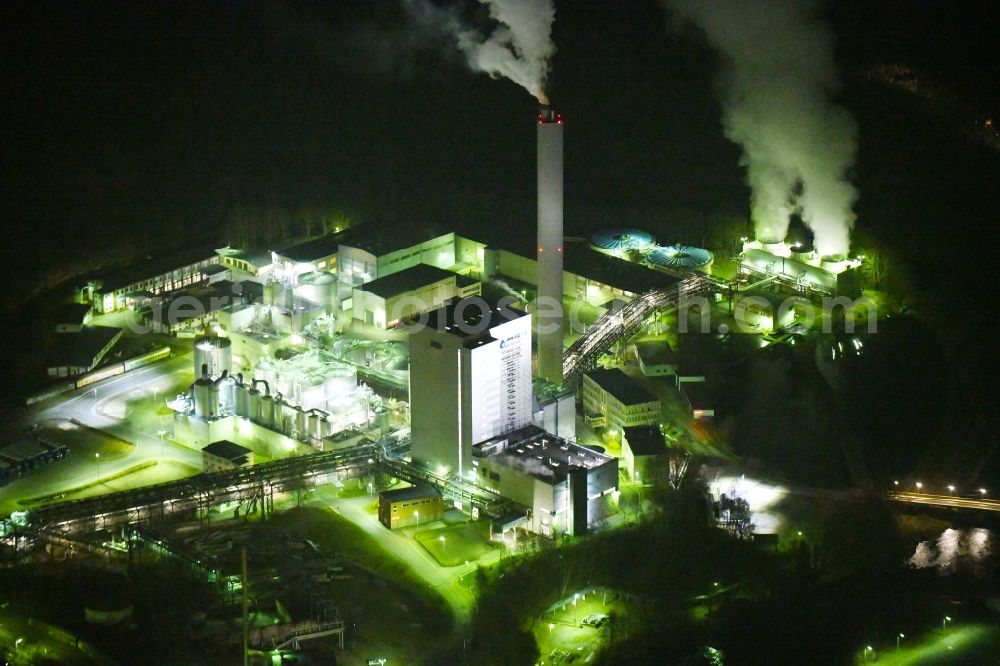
[551,627]
[919,486]
[97,456]
[444,545]
[944,622]
[951,489]
[17,643]
[982,491]
[868,650]
[575,597]
[898,636]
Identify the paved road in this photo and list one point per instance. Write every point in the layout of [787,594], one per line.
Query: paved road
[948,501]
[101,406]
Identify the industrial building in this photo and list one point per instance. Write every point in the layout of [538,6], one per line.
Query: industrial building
[642,448]
[305,397]
[564,486]
[116,290]
[656,358]
[386,301]
[799,266]
[72,317]
[405,507]
[77,352]
[470,379]
[224,455]
[697,396]
[613,399]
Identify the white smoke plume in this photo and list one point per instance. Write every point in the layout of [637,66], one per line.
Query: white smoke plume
[518,48]
[777,73]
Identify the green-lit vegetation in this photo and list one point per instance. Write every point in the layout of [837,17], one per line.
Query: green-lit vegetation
[456,544]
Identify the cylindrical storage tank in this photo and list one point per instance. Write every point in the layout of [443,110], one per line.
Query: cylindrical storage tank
[266,410]
[253,404]
[314,427]
[206,398]
[242,401]
[215,353]
[680,257]
[341,381]
[382,420]
[833,262]
[227,396]
[265,370]
[318,287]
[300,422]
[321,427]
[621,241]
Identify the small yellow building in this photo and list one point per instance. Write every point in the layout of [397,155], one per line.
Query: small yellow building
[404,507]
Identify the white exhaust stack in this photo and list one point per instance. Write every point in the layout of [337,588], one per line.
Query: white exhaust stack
[550,245]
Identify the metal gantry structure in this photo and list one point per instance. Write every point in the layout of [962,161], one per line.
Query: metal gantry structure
[253,487]
[621,324]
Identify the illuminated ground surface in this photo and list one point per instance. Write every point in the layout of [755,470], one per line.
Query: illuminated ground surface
[91,421]
[37,642]
[569,640]
[452,545]
[966,644]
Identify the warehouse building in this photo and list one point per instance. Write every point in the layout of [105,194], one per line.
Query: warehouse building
[405,507]
[564,486]
[656,358]
[613,399]
[225,455]
[81,351]
[642,448]
[386,301]
[116,290]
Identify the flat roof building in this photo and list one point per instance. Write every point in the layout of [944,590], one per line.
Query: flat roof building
[81,351]
[656,358]
[386,301]
[414,505]
[642,448]
[225,455]
[614,399]
[563,485]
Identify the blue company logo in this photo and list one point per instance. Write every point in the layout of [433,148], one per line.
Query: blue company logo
[503,343]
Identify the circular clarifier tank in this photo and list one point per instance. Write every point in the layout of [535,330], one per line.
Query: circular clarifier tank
[621,240]
[680,256]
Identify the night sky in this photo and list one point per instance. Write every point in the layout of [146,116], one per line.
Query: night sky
[123,116]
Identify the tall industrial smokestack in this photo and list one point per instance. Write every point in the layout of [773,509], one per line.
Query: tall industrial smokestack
[550,245]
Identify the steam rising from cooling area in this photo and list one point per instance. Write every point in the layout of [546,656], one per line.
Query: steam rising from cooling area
[777,72]
[518,48]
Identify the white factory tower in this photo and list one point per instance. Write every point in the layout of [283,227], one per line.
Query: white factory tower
[550,245]
[470,380]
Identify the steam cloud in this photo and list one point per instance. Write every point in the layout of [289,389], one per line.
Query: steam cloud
[518,49]
[778,69]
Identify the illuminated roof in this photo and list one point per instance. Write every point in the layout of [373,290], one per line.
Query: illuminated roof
[540,454]
[421,491]
[226,450]
[621,239]
[408,279]
[679,256]
[625,389]
[645,440]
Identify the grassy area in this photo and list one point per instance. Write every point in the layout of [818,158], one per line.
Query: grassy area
[82,440]
[455,544]
[139,475]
